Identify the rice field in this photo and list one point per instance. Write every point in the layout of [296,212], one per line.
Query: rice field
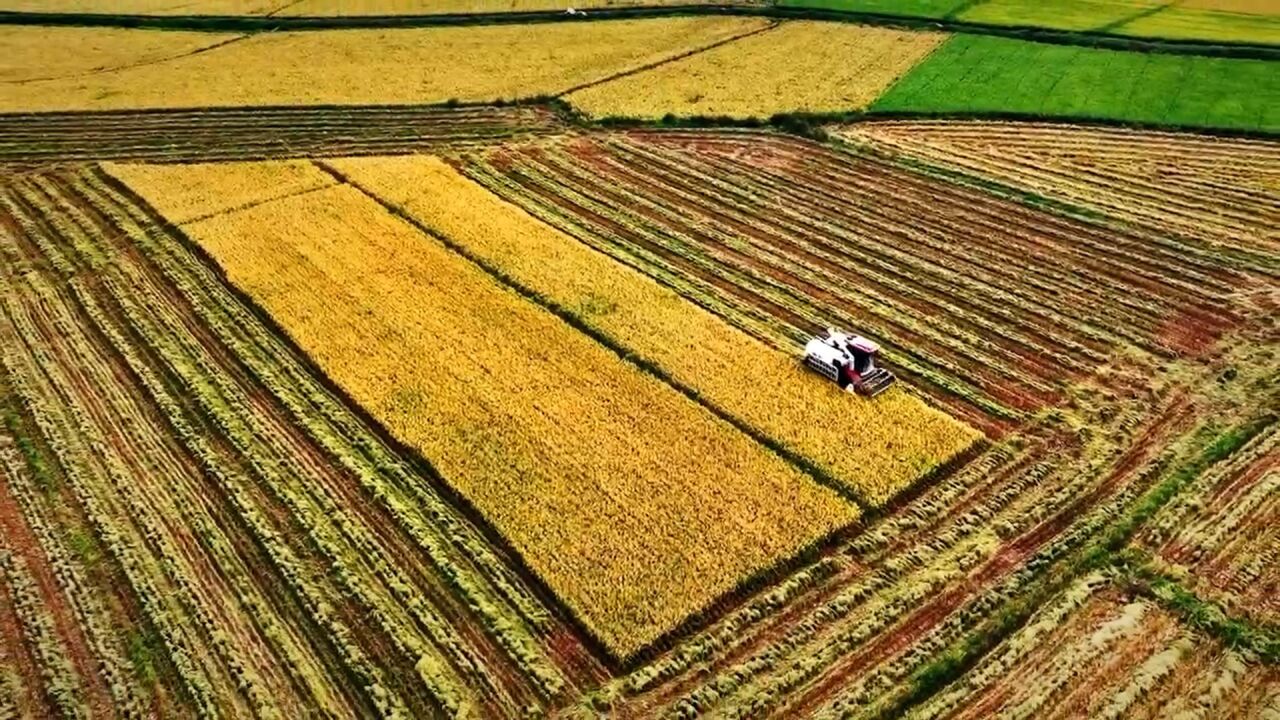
[392,407]
[794,67]
[975,74]
[385,67]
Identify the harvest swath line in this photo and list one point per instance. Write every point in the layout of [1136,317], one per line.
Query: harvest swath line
[93,260]
[1186,185]
[258,133]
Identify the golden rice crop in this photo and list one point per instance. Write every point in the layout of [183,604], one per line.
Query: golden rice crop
[416,7]
[633,503]
[876,447]
[202,189]
[398,66]
[799,66]
[32,53]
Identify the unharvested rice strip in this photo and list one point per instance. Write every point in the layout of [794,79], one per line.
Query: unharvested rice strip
[745,274]
[615,238]
[640,191]
[797,239]
[461,580]
[834,219]
[240,329]
[726,299]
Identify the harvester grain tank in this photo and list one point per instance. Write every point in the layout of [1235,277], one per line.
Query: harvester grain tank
[849,361]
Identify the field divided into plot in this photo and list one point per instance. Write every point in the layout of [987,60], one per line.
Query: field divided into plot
[281,556]
[352,66]
[785,236]
[1225,191]
[899,439]
[984,74]
[636,505]
[1223,534]
[249,134]
[1095,652]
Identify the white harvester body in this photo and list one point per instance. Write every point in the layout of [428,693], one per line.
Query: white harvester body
[849,361]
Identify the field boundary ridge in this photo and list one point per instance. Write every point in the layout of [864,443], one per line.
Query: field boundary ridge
[264,23]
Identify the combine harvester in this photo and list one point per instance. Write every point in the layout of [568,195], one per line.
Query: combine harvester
[849,361]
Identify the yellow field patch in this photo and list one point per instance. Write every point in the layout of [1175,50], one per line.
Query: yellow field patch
[874,447]
[799,66]
[403,66]
[633,503]
[426,7]
[34,53]
[147,7]
[203,189]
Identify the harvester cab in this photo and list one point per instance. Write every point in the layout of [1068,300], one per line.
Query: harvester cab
[849,361]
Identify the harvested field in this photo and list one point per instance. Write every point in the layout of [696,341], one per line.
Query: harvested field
[795,67]
[1223,534]
[1096,653]
[1222,191]
[348,67]
[793,236]
[659,507]
[243,134]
